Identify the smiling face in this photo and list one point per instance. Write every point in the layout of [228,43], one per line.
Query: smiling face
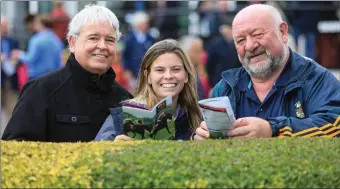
[260,42]
[94,47]
[167,76]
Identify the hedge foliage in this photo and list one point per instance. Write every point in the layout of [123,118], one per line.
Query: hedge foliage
[232,163]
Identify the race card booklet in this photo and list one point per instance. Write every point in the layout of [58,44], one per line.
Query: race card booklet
[142,123]
[218,116]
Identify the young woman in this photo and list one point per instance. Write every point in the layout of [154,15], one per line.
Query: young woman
[165,71]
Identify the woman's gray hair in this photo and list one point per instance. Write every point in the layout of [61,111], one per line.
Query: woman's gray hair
[92,14]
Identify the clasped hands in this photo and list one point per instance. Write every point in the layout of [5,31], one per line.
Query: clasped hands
[15,54]
[247,127]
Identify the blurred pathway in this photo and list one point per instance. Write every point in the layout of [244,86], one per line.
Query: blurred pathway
[3,122]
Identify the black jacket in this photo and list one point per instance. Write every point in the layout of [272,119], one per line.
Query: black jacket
[67,105]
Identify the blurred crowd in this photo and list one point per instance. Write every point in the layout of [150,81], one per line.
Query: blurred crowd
[208,39]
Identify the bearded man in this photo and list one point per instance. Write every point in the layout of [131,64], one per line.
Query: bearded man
[277,93]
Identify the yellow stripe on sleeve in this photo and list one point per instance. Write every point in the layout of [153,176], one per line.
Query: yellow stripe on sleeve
[337,121]
[313,134]
[306,131]
[334,134]
[285,128]
[330,130]
[323,130]
[287,133]
[325,126]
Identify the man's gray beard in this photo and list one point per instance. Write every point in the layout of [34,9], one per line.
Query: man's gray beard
[264,70]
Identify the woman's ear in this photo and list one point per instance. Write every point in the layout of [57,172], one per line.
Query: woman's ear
[146,75]
[71,42]
[186,78]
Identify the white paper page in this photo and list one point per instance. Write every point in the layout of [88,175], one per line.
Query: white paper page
[218,114]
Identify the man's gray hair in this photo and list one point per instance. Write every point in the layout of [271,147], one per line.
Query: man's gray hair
[93,14]
[187,41]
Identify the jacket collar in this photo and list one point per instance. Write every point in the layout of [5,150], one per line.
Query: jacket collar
[91,81]
[299,69]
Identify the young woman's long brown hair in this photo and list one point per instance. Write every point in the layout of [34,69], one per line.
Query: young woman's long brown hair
[187,98]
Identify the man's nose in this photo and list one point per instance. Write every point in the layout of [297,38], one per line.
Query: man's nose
[251,45]
[101,44]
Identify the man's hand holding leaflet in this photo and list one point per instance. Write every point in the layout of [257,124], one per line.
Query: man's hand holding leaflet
[218,115]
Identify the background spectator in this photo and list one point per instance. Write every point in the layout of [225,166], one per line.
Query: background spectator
[168,20]
[136,43]
[60,21]
[304,23]
[9,81]
[222,54]
[44,49]
[193,47]
[29,28]
[117,66]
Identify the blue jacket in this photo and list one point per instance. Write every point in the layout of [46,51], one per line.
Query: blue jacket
[113,126]
[134,51]
[44,53]
[7,45]
[312,85]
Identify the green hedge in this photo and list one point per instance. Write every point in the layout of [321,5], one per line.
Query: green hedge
[233,163]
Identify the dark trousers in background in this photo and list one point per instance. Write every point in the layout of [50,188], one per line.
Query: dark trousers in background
[9,98]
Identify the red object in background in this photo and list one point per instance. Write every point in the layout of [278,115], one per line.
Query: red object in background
[22,74]
[205,85]
[204,58]
[203,75]
[60,22]
[328,48]
[120,78]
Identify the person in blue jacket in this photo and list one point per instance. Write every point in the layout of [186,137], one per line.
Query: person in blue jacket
[165,71]
[44,53]
[277,93]
[136,43]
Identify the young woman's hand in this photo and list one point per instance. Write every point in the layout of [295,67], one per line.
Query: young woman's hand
[202,132]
